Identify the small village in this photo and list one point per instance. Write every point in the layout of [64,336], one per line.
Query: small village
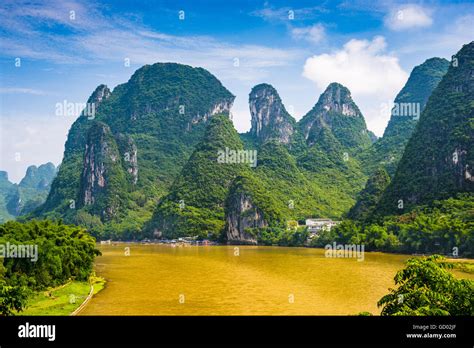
[314,226]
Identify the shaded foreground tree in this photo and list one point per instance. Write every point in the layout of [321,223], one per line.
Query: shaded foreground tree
[426,287]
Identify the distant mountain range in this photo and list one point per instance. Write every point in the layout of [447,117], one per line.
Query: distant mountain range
[160,157]
[30,193]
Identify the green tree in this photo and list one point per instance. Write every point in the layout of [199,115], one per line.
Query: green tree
[426,287]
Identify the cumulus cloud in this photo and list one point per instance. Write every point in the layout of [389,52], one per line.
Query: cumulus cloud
[315,33]
[407,17]
[373,76]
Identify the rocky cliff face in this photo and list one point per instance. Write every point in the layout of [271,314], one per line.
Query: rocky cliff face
[101,93]
[102,178]
[129,151]
[242,215]
[98,152]
[221,108]
[270,120]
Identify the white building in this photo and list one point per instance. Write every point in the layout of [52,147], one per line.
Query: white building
[316,225]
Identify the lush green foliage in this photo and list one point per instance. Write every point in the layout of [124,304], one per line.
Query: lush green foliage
[368,198]
[439,157]
[163,109]
[64,252]
[444,227]
[282,236]
[195,204]
[426,287]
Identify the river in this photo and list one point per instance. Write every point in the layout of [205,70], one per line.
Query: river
[250,280]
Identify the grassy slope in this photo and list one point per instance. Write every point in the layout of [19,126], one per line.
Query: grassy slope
[57,301]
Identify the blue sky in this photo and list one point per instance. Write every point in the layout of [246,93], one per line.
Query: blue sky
[67,48]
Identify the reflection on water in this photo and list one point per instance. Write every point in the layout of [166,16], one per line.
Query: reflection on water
[220,280]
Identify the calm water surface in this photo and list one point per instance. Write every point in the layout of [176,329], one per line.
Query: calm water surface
[211,280]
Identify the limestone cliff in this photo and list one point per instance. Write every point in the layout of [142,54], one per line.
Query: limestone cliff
[103,178]
[270,120]
[242,215]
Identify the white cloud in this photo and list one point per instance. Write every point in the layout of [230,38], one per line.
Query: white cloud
[272,14]
[315,33]
[373,76]
[15,90]
[101,38]
[444,43]
[407,17]
[25,140]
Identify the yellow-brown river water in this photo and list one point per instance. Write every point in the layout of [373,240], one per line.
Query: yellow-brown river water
[250,280]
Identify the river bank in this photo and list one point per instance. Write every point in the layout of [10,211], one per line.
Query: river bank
[62,300]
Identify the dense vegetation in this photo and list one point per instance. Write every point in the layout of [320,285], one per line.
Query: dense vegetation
[64,252]
[162,110]
[163,115]
[369,197]
[426,287]
[444,227]
[439,157]
[194,206]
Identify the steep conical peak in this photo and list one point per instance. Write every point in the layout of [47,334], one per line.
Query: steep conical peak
[270,120]
[102,92]
[336,111]
[337,98]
